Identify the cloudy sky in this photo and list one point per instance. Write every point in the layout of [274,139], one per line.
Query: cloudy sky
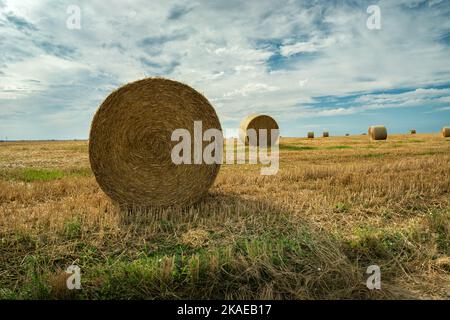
[312,64]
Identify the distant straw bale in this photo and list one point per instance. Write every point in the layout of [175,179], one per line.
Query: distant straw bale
[258,122]
[446,132]
[378,132]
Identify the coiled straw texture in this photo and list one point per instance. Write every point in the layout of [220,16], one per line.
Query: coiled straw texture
[130,144]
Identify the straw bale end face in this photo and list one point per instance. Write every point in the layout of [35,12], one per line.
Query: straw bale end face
[378,133]
[258,122]
[446,132]
[130,144]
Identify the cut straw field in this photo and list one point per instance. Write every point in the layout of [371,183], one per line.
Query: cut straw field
[337,206]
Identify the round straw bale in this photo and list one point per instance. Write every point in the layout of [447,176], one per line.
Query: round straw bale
[310,135]
[370,131]
[446,132]
[378,133]
[130,144]
[326,134]
[257,122]
[412,131]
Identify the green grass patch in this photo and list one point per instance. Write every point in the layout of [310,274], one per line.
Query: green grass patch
[341,207]
[338,147]
[439,223]
[72,229]
[370,242]
[428,153]
[220,272]
[243,267]
[32,174]
[295,148]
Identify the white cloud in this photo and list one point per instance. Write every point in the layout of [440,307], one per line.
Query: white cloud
[250,89]
[298,47]
[303,82]
[244,56]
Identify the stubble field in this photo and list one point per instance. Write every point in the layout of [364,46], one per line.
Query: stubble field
[336,206]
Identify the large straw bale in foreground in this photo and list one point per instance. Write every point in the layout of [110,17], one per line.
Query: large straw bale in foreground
[446,132]
[378,133]
[130,144]
[257,122]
